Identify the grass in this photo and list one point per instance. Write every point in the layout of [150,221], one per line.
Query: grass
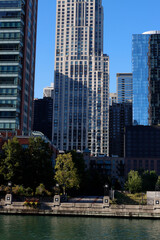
[129,199]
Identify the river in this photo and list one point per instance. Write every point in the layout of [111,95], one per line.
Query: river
[76,228]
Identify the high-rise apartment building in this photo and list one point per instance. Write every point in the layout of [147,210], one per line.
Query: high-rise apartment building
[112,98]
[124,87]
[18,21]
[81,81]
[146,78]
[48,91]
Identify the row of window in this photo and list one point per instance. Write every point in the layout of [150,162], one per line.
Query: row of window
[10,35]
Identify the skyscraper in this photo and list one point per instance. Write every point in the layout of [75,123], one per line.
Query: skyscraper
[120,116]
[18,22]
[43,116]
[146,78]
[124,87]
[81,80]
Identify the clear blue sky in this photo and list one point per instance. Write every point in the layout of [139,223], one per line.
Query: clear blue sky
[122,18]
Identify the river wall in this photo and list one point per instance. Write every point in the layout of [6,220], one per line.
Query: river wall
[84,209]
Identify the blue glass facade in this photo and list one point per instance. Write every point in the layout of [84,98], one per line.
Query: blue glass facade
[146,78]
[140,49]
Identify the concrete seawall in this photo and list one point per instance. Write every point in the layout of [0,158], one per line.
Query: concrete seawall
[84,209]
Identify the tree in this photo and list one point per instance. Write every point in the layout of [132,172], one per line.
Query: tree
[149,179]
[11,163]
[79,163]
[134,183]
[66,173]
[30,167]
[38,164]
[157,187]
[94,182]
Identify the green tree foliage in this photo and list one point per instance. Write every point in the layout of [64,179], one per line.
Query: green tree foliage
[28,167]
[38,164]
[94,182]
[91,182]
[149,179]
[11,163]
[157,187]
[134,183]
[79,163]
[66,173]
[40,190]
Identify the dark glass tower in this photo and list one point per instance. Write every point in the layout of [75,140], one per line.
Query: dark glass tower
[120,116]
[146,78]
[18,23]
[43,116]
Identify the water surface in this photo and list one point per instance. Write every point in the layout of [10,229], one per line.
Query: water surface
[76,228]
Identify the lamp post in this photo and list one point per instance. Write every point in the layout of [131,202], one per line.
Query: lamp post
[57,189]
[10,187]
[106,196]
[106,190]
[8,197]
[56,199]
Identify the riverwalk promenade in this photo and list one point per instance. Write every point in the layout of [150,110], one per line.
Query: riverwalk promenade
[88,206]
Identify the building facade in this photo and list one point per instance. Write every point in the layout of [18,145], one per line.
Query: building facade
[112,167]
[43,116]
[142,148]
[81,81]
[18,23]
[120,115]
[146,78]
[124,87]
[49,91]
[112,98]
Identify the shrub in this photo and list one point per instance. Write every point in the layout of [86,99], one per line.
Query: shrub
[41,190]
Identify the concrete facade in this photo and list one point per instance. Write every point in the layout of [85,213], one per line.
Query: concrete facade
[112,98]
[81,80]
[49,91]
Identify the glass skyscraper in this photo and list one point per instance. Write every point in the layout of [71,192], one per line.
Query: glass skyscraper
[81,80]
[146,78]
[18,22]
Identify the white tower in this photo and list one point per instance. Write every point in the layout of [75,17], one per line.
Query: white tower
[81,79]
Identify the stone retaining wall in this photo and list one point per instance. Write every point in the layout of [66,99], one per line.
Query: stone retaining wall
[84,209]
